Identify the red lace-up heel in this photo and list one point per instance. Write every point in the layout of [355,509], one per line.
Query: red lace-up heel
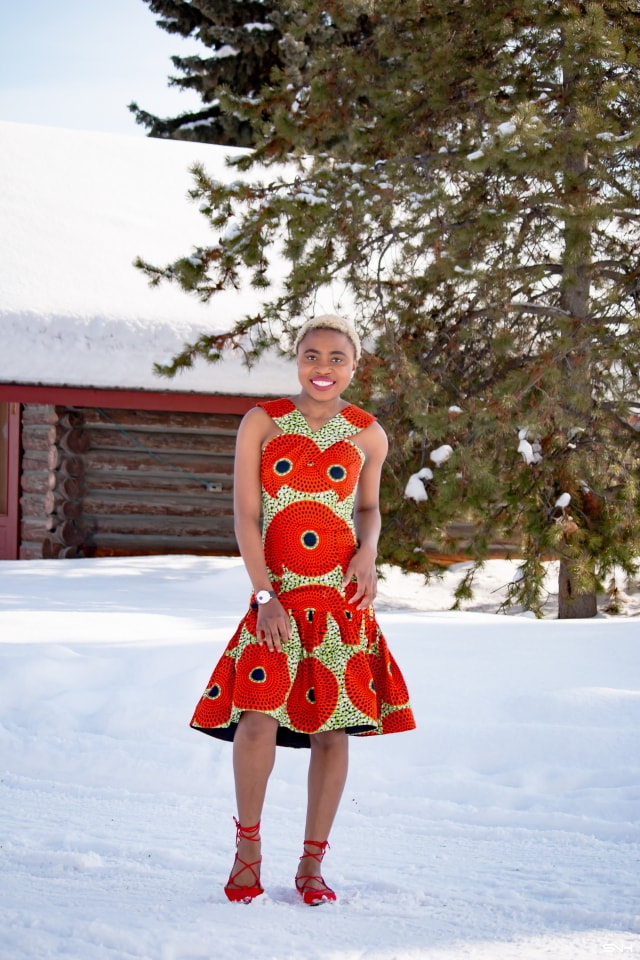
[310,894]
[233,890]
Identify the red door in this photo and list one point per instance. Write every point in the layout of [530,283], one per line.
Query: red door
[9,479]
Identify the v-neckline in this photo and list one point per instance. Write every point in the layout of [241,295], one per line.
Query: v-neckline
[313,433]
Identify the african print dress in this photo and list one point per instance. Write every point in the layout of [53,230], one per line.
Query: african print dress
[336,671]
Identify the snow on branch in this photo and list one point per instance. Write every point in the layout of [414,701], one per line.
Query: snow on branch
[415,488]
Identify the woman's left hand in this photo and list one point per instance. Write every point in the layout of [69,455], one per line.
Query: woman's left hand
[362,568]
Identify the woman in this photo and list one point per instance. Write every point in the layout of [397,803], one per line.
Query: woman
[307,664]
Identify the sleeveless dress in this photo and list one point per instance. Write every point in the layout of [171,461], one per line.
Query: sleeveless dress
[336,671]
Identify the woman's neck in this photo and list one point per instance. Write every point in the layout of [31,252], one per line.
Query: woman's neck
[318,411]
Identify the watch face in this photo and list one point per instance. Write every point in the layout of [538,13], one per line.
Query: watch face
[263,596]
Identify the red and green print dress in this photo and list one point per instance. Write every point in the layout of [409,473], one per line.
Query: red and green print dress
[336,671]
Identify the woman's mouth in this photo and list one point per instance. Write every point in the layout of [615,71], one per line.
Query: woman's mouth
[321,383]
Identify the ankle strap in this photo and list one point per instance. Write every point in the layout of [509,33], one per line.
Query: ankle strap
[247,833]
[319,854]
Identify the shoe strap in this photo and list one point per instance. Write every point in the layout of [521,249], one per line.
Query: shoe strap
[247,833]
[232,882]
[319,854]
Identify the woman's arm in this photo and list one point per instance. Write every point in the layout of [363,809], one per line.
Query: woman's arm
[273,626]
[366,517]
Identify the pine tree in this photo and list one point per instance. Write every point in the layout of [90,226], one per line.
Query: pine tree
[242,50]
[467,175]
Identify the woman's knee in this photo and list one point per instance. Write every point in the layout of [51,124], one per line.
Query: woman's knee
[257,726]
[329,740]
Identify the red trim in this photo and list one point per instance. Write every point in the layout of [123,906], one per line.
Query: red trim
[9,520]
[127,399]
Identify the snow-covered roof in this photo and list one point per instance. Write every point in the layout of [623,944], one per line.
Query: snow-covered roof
[76,208]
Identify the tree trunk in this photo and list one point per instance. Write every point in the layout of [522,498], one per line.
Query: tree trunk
[575,299]
[571,603]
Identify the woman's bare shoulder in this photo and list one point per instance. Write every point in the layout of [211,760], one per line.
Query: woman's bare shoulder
[257,425]
[373,441]
[256,415]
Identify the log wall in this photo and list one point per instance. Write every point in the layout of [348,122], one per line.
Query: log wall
[126,482]
[35,478]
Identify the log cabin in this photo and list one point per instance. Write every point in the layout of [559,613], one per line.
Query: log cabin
[99,456]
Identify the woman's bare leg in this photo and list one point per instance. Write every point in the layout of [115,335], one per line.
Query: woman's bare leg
[328,768]
[254,750]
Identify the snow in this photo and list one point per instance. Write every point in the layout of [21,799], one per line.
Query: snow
[504,826]
[441,454]
[415,488]
[563,500]
[76,209]
[526,450]
[223,52]
[530,452]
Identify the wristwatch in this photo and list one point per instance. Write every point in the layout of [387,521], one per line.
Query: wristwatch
[263,596]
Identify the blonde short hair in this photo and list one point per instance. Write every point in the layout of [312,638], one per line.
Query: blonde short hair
[330,321]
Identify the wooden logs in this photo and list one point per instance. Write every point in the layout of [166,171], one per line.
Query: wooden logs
[124,482]
[159,482]
[55,502]
[34,477]
[66,531]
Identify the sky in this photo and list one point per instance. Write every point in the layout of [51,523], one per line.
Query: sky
[78,63]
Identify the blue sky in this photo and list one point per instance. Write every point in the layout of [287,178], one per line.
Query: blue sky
[78,63]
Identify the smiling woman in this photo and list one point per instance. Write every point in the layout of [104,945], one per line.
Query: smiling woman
[308,663]
[87,60]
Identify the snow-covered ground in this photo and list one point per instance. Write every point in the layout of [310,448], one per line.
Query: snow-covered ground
[505,826]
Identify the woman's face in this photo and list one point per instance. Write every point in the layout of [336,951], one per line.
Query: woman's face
[326,363]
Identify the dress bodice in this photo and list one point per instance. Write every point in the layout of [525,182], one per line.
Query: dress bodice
[309,480]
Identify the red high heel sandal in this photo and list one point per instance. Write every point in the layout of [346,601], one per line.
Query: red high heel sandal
[233,890]
[312,895]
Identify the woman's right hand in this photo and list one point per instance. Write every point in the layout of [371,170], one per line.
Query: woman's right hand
[273,625]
